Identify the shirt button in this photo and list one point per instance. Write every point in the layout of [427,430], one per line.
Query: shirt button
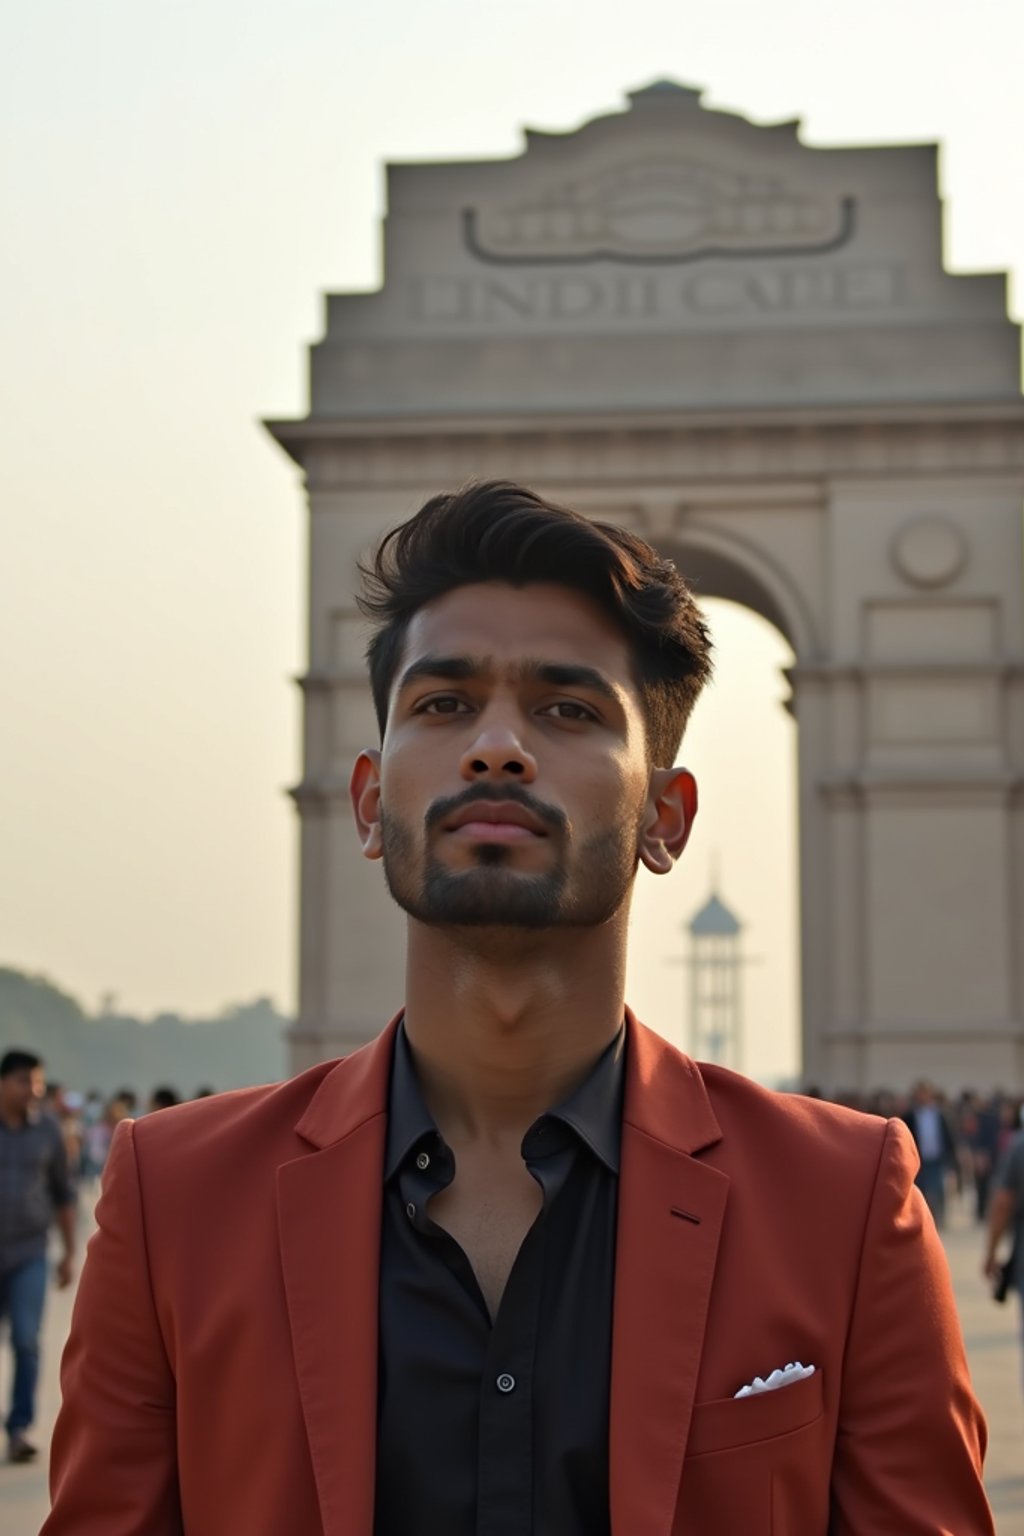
[506,1383]
[423,1160]
[410,1210]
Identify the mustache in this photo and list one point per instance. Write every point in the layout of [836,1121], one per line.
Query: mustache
[557,820]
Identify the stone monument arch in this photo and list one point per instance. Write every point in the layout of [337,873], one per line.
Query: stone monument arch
[748,349]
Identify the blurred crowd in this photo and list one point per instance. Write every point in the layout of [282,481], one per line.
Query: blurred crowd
[88,1120]
[961,1138]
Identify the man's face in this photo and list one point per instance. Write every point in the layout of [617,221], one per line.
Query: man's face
[514,775]
[20,1090]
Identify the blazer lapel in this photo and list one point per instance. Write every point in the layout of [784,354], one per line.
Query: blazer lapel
[329,1218]
[670,1219]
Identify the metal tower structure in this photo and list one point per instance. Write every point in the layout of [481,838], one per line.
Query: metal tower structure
[716,994]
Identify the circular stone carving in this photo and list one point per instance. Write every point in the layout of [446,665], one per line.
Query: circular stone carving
[929,551]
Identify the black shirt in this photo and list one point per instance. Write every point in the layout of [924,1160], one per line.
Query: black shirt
[499,1429]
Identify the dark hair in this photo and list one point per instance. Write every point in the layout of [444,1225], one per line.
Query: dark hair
[18,1061]
[497,531]
[164,1097]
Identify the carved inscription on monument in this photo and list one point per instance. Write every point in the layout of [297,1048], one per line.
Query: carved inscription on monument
[712,293]
[666,209]
[652,242]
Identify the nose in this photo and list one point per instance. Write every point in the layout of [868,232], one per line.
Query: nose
[498,752]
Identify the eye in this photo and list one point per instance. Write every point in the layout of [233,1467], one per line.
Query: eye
[569,709]
[441,704]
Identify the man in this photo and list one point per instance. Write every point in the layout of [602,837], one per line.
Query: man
[35,1188]
[1006,1215]
[936,1147]
[506,1270]
[984,1148]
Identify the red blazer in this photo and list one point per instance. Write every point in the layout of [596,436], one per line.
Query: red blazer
[220,1377]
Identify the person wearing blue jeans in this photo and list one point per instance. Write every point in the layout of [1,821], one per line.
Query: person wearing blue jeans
[22,1291]
[35,1189]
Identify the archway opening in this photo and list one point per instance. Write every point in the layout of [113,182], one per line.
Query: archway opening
[741,744]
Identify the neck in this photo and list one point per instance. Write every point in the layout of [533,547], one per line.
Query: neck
[15,1118]
[504,1023]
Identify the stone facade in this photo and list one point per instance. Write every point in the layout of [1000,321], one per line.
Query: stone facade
[748,350]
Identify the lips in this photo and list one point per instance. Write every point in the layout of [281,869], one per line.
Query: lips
[502,820]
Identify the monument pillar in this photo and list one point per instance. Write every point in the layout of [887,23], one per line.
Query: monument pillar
[911,789]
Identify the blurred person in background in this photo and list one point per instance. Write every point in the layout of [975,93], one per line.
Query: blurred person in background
[93,1152]
[1009,1114]
[70,1114]
[35,1190]
[1006,1217]
[163,1098]
[936,1147]
[981,1131]
[97,1138]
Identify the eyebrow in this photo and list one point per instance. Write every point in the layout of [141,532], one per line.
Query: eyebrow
[455,669]
[559,674]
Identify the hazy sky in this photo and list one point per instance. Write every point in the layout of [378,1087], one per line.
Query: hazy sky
[180,185]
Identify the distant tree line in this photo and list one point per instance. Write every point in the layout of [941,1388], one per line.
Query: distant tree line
[111,1050]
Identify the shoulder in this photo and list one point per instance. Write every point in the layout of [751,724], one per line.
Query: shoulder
[813,1153]
[218,1159]
[809,1163]
[240,1139]
[217,1126]
[747,1111]
[743,1128]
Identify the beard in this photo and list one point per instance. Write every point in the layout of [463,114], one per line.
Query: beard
[583,892]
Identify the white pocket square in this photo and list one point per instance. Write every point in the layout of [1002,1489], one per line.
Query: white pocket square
[778,1378]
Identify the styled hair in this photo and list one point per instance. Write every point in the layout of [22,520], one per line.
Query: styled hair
[18,1061]
[497,531]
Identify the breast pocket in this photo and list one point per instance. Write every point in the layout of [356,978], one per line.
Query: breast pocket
[756,1464]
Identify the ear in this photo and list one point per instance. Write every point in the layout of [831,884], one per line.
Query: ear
[364,791]
[669,820]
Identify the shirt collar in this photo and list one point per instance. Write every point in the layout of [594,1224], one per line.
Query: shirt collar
[409,1119]
[593,1110]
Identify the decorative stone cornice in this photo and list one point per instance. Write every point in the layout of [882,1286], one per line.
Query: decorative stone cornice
[920,1031]
[980,440]
[1001,668]
[923,786]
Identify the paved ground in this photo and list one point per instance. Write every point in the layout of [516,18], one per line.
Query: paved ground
[990,1331]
